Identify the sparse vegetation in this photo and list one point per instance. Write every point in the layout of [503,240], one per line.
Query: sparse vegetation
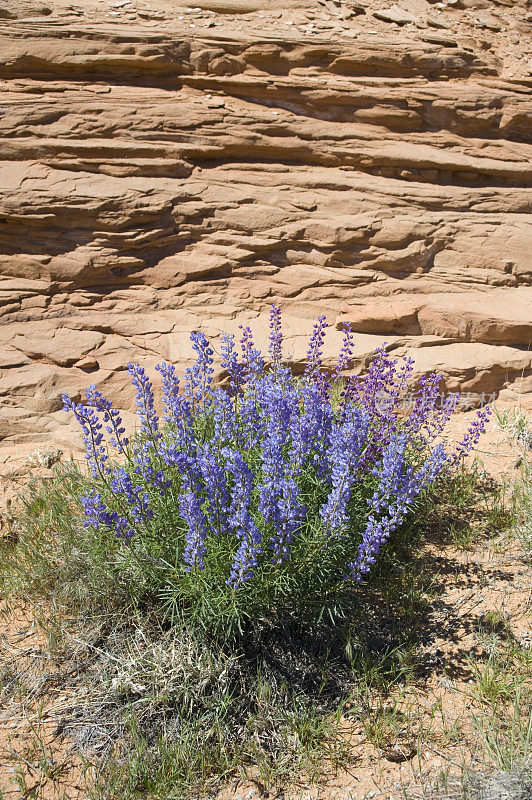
[160,709]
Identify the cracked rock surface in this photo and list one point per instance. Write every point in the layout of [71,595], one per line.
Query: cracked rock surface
[166,167]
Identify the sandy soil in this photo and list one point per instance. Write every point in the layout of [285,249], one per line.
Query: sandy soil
[435,733]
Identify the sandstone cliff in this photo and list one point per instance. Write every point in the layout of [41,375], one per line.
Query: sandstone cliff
[165,168]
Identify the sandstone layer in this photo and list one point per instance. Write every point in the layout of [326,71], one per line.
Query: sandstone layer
[166,168]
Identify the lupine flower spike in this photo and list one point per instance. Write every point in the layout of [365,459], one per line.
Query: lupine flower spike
[235,480]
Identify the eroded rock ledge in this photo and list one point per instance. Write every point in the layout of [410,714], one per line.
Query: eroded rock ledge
[159,174]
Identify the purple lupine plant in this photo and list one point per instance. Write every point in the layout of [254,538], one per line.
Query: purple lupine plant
[347,442]
[276,338]
[199,377]
[190,508]
[270,476]
[315,348]
[110,415]
[346,352]
[241,520]
[252,360]
[144,400]
[398,486]
[230,362]
[95,450]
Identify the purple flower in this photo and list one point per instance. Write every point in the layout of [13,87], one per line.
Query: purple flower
[425,404]
[224,417]
[136,498]
[110,415]
[399,485]
[177,413]
[347,442]
[276,338]
[315,348]
[235,466]
[279,502]
[199,377]
[146,460]
[97,513]
[230,362]
[144,400]
[289,514]
[244,564]
[190,509]
[95,450]
[310,428]
[253,361]
[249,423]
[214,482]
[241,520]
[346,352]
[170,387]
[472,435]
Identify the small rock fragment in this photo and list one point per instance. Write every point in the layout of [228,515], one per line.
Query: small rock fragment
[398,753]
[394,14]
[433,38]
[44,458]
[436,22]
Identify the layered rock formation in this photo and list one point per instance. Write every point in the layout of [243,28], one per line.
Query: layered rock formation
[165,169]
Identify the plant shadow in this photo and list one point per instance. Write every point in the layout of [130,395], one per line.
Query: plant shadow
[404,624]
